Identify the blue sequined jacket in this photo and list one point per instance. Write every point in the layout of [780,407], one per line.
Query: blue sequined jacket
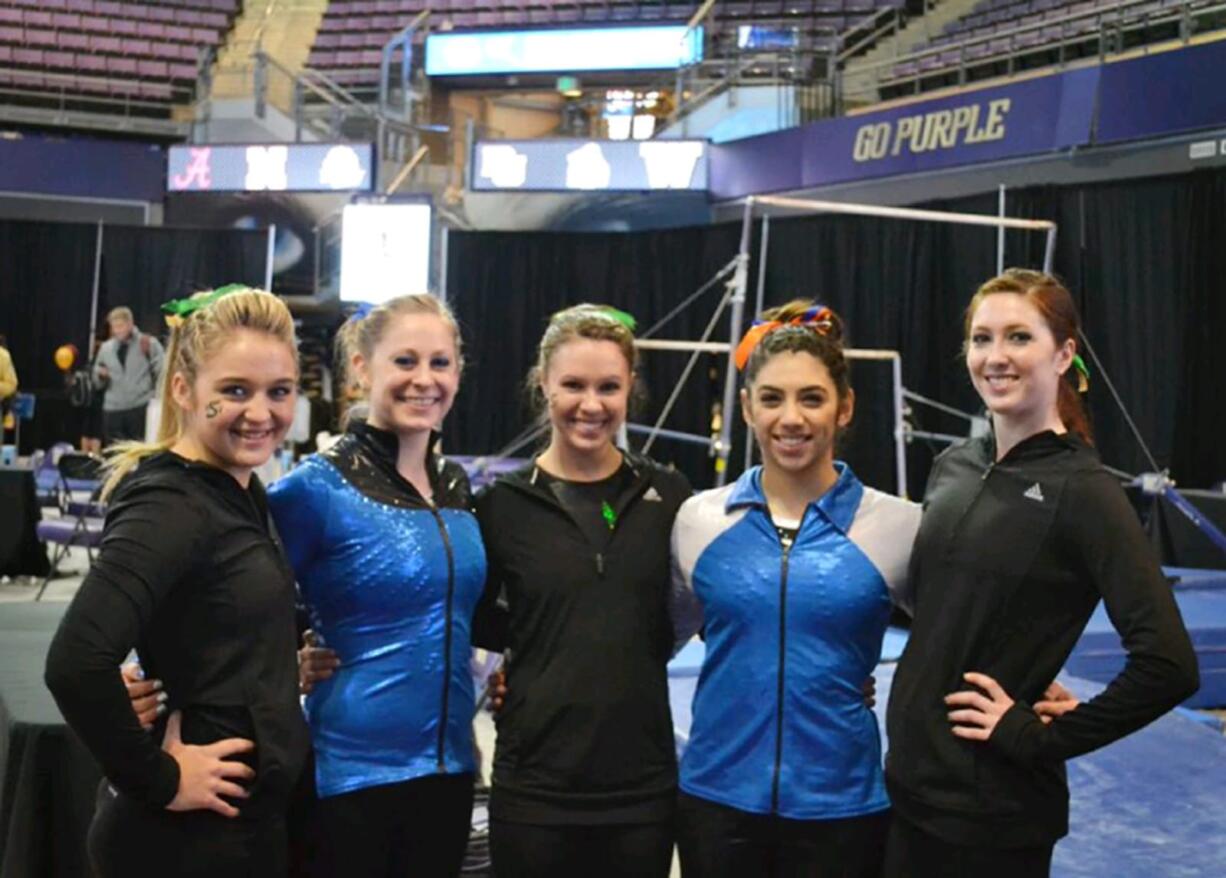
[792,632]
[390,581]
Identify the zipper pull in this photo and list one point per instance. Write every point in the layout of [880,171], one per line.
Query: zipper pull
[987,472]
[599,564]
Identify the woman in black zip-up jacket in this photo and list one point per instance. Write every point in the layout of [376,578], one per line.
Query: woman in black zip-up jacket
[191,574]
[578,548]
[1023,533]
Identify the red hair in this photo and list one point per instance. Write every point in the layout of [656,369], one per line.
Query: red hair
[1055,305]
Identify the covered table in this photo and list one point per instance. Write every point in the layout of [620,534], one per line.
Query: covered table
[21,554]
[47,779]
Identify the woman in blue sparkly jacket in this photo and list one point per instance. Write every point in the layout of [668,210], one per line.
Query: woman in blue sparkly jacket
[390,563]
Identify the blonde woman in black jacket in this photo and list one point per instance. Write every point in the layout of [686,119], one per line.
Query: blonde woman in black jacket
[585,775]
[1023,533]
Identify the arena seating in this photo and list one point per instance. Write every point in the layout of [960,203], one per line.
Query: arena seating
[147,51]
[1002,36]
[353,32]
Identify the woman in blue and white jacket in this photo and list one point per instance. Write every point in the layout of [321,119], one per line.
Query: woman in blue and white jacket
[791,573]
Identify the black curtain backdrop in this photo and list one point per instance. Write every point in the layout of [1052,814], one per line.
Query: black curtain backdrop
[46,278]
[143,267]
[1143,258]
[46,285]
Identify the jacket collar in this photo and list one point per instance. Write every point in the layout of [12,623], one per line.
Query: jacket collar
[384,446]
[1039,445]
[528,478]
[838,505]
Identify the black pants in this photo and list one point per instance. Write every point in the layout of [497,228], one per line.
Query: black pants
[529,850]
[418,828]
[716,841]
[127,838]
[123,425]
[913,853]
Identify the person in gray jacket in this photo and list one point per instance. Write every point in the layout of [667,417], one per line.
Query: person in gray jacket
[126,370]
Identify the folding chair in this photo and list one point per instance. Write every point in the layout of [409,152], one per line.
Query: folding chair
[80,522]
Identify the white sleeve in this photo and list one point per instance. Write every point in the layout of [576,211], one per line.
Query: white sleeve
[684,608]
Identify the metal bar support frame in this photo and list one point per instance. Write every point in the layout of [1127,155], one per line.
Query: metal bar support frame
[721,444]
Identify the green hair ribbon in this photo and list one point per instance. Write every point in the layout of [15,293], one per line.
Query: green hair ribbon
[178,310]
[621,317]
[1083,373]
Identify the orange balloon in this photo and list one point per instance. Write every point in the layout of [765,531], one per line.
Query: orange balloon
[66,356]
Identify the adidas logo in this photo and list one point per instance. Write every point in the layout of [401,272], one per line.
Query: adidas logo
[1034,492]
[653,495]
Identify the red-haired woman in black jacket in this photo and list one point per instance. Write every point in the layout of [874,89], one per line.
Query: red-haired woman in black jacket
[1023,533]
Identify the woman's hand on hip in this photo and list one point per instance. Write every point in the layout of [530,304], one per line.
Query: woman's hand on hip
[1057,701]
[975,714]
[206,773]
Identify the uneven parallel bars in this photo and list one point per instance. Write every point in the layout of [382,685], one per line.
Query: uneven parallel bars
[908,213]
[722,347]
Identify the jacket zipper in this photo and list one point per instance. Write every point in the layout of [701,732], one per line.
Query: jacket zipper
[442,727]
[783,604]
[552,501]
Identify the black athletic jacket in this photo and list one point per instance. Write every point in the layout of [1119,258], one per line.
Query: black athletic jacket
[190,574]
[1010,561]
[585,735]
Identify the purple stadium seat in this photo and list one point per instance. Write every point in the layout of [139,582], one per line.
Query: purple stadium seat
[81,5]
[178,34]
[37,37]
[10,16]
[121,66]
[10,34]
[1027,39]
[91,63]
[37,18]
[28,57]
[135,47]
[124,26]
[152,69]
[6,54]
[60,60]
[156,91]
[55,4]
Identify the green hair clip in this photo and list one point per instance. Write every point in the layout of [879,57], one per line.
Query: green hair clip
[1083,373]
[621,317]
[178,310]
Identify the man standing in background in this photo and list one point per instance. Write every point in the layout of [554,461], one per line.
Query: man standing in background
[127,370]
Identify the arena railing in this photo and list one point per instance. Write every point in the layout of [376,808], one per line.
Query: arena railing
[1109,24]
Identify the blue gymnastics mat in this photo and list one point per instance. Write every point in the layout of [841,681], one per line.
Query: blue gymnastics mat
[1150,806]
[1201,596]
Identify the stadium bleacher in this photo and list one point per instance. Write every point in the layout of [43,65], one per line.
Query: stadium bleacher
[353,32]
[148,51]
[1004,36]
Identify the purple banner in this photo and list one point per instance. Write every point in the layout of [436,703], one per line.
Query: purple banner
[1023,118]
[1161,94]
[82,168]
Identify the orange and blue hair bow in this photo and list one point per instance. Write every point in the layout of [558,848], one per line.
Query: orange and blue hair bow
[819,318]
